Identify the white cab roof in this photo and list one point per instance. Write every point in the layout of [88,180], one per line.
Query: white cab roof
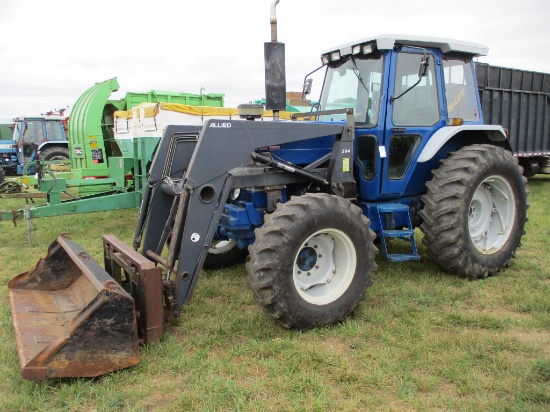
[388,41]
[39,117]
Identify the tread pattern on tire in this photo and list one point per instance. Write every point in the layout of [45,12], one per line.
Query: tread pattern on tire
[50,152]
[448,192]
[265,266]
[45,154]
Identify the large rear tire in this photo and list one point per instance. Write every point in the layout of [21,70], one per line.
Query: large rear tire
[475,211]
[224,253]
[2,175]
[57,153]
[312,261]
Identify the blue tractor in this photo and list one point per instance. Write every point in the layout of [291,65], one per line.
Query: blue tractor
[34,137]
[397,141]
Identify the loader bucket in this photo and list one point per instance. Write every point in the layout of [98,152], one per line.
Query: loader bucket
[71,319]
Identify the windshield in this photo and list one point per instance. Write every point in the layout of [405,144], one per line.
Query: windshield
[354,83]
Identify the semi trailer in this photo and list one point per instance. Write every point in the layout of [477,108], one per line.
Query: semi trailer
[519,100]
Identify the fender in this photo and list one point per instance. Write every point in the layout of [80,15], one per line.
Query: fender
[50,143]
[443,135]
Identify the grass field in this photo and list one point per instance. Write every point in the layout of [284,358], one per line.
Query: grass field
[421,340]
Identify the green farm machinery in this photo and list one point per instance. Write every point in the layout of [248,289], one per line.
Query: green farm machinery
[106,172]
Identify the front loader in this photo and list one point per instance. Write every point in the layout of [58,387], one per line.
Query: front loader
[91,308]
[398,143]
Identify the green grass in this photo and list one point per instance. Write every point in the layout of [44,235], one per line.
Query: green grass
[421,340]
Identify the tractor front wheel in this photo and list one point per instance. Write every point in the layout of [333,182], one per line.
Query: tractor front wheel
[312,261]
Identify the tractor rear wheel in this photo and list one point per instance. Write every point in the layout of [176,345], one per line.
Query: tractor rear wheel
[223,253]
[312,261]
[2,175]
[475,211]
[57,153]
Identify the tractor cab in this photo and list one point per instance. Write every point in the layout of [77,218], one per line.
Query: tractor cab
[33,133]
[403,90]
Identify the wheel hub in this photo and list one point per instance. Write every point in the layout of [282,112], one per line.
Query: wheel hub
[324,266]
[314,263]
[307,258]
[491,214]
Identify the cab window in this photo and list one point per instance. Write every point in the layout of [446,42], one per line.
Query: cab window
[354,83]
[54,130]
[460,92]
[419,106]
[402,150]
[367,145]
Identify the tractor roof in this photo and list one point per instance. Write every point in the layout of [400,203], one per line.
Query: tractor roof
[39,117]
[388,41]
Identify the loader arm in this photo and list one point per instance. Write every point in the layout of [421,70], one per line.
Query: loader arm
[189,195]
[74,319]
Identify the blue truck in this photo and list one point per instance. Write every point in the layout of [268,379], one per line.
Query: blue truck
[398,141]
[33,137]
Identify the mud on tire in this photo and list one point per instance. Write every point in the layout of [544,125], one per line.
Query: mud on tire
[312,261]
[475,211]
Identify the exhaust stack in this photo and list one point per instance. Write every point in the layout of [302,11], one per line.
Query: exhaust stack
[275,76]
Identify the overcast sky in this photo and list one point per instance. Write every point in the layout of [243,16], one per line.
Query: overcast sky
[52,52]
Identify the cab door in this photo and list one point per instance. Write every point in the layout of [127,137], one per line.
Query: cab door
[413,113]
[32,135]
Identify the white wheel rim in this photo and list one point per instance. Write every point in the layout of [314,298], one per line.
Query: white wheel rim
[221,246]
[492,214]
[324,266]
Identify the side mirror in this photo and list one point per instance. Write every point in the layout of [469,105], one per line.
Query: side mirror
[424,65]
[307,87]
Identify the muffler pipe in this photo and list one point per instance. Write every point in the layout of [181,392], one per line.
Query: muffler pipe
[273,20]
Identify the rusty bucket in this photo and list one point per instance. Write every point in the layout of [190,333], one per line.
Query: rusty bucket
[71,319]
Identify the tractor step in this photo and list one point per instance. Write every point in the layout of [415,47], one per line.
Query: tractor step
[392,212]
[402,234]
[393,207]
[402,257]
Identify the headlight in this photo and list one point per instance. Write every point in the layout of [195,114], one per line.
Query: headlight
[362,49]
[367,48]
[335,55]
